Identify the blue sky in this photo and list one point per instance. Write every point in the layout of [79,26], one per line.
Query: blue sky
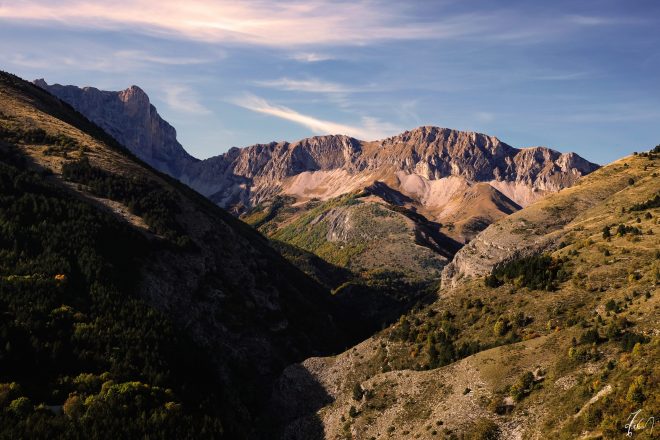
[575,76]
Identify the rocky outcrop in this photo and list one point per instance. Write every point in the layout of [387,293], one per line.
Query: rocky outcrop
[537,228]
[131,119]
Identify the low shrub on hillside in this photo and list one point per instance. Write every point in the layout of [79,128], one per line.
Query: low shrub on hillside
[653,202]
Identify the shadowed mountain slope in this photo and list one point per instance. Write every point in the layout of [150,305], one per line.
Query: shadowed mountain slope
[150,251]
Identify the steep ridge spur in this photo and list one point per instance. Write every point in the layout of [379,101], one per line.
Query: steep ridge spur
[535,229]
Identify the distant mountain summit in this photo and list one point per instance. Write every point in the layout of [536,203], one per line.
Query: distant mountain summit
[131,119]
[411,162]
[464,179]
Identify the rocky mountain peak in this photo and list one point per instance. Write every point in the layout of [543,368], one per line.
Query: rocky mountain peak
[41,82]
[134,96]
[131,119]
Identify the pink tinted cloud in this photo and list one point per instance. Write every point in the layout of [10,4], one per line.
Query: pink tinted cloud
[287,23]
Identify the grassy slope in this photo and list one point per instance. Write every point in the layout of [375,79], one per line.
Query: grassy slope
[609,280]
[353,232]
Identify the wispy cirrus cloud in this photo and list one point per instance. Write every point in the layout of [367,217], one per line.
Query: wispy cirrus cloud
[310,57]
[369,128]
[139,56]
[569,76]
[312,85]
[338,94]
[597,20]
[183,99]
[300,25]
[117,61]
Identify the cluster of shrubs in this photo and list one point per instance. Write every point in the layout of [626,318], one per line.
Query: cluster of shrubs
[157,206]
[537,272]
[69,312]
[617,330]
[505,324]
[622,230]
[653,202]
[437,339]
[35,136]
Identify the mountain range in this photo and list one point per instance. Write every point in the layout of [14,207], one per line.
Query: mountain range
[461,178]
[373,221]
[436,284]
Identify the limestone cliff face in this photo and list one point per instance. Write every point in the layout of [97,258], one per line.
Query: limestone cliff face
[435,153]
[131,119]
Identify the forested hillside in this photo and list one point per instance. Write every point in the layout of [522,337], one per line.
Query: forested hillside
[131,306]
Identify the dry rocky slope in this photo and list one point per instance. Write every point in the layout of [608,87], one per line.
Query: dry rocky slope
[464,179]
[566,350]
[222,283]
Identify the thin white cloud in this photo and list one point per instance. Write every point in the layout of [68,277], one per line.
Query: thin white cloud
[593,20]
[139,56]
[183,99]
[484,116]
[339,94]
[407,111]
[369,129]
[310,57]
[306,85]
[116,62]
[563,76]
[64,62]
